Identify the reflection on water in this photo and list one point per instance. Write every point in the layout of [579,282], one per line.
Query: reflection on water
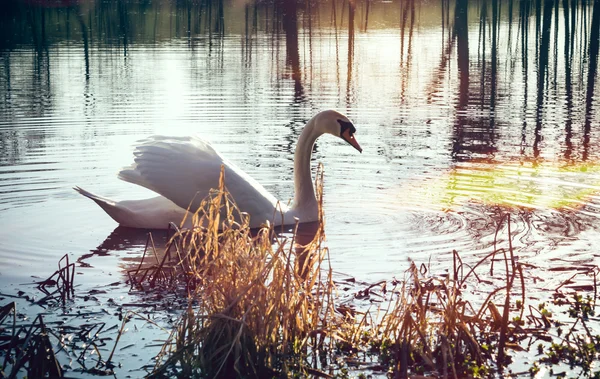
[466,110]
[513,184]
[143,249]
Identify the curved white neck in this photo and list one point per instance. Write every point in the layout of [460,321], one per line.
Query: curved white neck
[304,197]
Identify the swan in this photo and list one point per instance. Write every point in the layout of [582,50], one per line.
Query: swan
[182,170]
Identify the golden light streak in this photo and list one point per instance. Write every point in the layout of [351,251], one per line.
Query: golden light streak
[546,185]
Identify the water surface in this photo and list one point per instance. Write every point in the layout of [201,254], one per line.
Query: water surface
[464,115]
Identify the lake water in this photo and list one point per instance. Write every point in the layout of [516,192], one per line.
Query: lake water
[462,120]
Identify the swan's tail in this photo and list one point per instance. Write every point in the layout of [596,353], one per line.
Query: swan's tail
[120,214]
[101,201]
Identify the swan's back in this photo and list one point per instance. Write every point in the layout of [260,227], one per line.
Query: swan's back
[185,169]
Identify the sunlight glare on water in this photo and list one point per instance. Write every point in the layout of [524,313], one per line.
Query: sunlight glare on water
[512,185]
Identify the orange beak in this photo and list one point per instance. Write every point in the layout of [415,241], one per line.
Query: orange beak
[346,136]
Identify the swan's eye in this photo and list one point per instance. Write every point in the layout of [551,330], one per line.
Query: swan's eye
[346,125]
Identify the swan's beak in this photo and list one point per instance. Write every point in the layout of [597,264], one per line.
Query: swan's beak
[346,136]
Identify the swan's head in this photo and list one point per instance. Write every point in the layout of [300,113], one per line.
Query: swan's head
[335,123]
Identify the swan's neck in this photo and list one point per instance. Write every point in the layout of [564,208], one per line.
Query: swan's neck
[304,197]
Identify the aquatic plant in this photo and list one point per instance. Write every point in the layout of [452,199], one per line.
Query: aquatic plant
[260,304]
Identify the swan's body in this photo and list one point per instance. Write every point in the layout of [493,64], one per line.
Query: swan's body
[184,169]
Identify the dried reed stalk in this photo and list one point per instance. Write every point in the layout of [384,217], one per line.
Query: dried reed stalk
[261,301]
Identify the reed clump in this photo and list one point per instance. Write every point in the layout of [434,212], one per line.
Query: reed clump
[426,326]
[260,304]
[433,325]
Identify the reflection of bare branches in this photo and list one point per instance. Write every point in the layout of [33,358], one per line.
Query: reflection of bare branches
[481,51]
[573,19]
[438,75]
[86,45]
[289,11]
[462,35]
[544,50]
[367,14]
[411,5]
[39,39]
[555,45]
[494,78]
[119,24]
[310,41]
[568,85]
[249,32]
[591,78]
[445,17]
[510,21]
[337,44]
[406,67]
[524,11]
[351,12]
[538,14]
[220,24]
[123,25]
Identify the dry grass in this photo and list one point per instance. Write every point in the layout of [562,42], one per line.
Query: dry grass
[426,326]
[259,302]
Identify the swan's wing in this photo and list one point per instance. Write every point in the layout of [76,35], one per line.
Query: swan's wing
[185,169]
[159,160]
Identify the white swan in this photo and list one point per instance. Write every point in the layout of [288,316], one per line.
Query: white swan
[184,169]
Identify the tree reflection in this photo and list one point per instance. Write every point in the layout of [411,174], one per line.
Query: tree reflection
[543,53]
[553,42]
[461,30]
[405,66]
[591,78]
[290,25]
[351,15]
[568,85]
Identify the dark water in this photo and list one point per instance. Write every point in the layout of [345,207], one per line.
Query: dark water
[466,111]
